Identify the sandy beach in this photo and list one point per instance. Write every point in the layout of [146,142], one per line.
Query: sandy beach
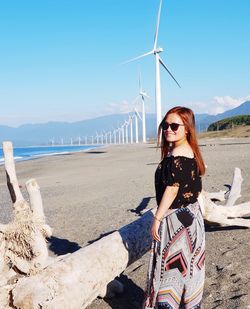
[87,195]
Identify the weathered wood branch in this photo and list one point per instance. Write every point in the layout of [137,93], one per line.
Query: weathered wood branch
[235,188]
[12,183]
[36,206]
[219,196]
[23,245]
[224,215]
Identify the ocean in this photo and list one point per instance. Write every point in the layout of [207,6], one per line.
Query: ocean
[29,153]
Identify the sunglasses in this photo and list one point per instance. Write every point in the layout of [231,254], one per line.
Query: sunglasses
[173,126]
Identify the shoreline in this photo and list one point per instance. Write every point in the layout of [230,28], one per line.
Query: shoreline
[89,194]
[202,142]
[48,154]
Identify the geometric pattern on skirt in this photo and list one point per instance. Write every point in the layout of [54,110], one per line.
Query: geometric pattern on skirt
[176,271]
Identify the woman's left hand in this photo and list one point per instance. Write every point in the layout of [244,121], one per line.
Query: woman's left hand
[155,230]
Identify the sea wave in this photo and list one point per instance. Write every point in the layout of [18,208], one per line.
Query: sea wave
[30,153]
[51,154]
[15,158]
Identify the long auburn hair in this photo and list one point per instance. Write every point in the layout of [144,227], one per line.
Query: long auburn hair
[187,116]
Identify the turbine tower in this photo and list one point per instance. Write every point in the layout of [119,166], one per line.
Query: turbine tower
[126,123]
[143,94]
[123,134]
[158,61]
[114,134]
[131,129]
[97,138]
[106,137]
[119,135]
[137,115]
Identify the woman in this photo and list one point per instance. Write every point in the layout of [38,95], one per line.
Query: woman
[176,271]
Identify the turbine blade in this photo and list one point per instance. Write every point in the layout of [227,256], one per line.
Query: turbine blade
[157,25]
[134,101]
[165,67]
[138,114]
[141,56]
[140,82]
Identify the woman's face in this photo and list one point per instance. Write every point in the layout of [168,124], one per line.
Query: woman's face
[174,129]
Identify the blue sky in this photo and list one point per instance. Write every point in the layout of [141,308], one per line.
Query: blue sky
[61,60]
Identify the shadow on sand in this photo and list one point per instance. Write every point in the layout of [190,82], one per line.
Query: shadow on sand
[217,228]
[95,152]
[101,236]
[143,204]
[131,298]
[61,246]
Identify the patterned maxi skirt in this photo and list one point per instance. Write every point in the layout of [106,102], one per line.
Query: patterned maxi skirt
[176,269]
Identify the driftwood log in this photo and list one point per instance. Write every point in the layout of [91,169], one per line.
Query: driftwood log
[29,279]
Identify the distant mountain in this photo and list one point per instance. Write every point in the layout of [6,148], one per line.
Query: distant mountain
[42,134]
[243,109]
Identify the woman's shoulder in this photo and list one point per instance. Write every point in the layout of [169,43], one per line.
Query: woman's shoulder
[182,153]
[172,157]
[182,160]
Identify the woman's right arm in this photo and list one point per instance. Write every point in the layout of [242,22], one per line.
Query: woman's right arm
[168,197]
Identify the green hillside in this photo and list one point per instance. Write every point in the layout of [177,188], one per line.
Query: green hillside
[229,123]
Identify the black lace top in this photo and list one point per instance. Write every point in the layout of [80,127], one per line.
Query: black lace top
[182,172]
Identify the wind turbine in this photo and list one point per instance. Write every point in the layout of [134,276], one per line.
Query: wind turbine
[101,138]
[122,128]
[114,134]
[110,137]
[97,138]
[119,135]
[106,137]
[131,129]
[158,61]
[126,123]
[137,115]
[51,141]
[143,94]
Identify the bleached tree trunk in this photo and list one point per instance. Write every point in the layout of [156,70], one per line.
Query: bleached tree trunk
[77,280]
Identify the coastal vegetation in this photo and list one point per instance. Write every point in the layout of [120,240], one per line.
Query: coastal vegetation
[229,123]
[237,126]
